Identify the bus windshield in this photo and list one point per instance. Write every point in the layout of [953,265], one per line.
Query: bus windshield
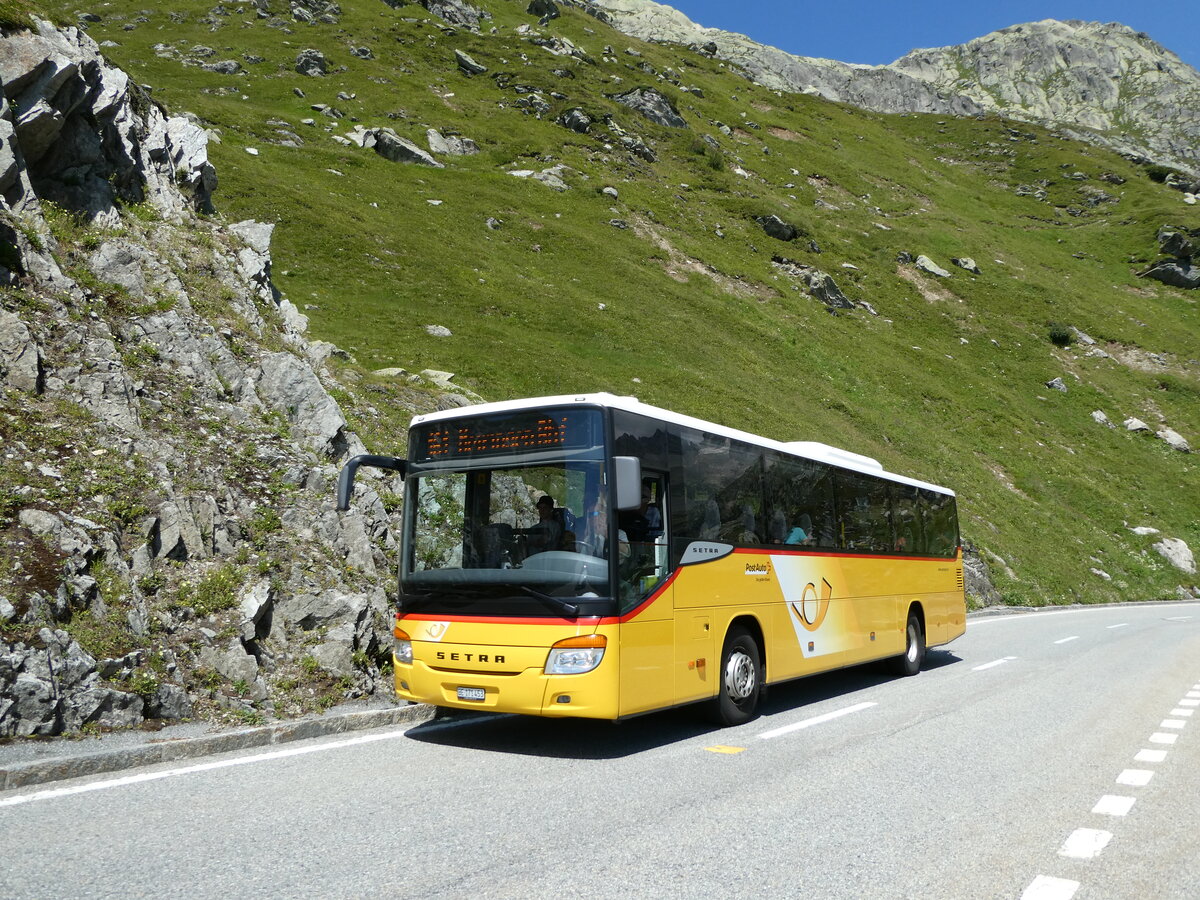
[486,532]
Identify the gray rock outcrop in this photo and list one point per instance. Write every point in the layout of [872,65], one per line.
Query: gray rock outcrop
[457,12]
[165,450]
[86,137]
[1091,77]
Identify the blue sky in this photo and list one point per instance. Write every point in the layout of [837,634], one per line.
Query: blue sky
[881,31]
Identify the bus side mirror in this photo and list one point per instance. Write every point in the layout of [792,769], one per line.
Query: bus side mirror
[346,479]
[629,482]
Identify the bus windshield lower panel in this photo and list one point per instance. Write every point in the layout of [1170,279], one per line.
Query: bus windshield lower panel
[509,540]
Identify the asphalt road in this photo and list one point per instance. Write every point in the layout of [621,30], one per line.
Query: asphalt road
[1045,755]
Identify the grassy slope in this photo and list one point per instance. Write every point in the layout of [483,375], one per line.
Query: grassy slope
[947,383]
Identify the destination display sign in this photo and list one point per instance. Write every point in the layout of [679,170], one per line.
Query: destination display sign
[526,432]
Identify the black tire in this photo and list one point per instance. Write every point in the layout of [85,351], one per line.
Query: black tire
[909,662]
[740,679]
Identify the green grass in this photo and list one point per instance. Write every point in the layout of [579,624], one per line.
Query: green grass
[365,255]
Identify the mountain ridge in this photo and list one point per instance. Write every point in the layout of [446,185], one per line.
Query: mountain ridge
[1102,82]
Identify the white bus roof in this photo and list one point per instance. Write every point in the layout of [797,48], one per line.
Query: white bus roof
[808,449]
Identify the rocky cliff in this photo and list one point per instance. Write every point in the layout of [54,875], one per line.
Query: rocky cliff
[168,445]
[1102,82]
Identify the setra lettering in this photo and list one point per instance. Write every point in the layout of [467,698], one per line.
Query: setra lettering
[454,656]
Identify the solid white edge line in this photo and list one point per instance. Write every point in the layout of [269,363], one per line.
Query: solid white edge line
[815,720]
[1020,617]
[142,777]
[1047,887]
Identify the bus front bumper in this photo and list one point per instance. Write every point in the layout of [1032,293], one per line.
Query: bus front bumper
[528,692]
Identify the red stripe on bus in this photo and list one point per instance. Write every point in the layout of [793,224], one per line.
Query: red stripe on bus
[830,554]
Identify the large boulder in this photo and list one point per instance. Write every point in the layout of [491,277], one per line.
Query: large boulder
[778,228]
[653,105]
[1176,273]
[1178,554]
[311,62]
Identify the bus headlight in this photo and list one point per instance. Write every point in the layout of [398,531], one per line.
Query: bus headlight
[402,646]
[574,656]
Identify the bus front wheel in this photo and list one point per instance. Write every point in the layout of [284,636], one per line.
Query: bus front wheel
[909,662]
[741,679]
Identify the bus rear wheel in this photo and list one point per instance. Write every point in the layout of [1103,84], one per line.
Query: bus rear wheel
[909,662]
[741,679]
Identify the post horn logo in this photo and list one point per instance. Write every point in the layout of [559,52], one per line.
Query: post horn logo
[435,630]
[811,610]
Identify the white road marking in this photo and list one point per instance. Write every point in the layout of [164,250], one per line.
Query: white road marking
[815,720]
[1182,712]
[200,767]
[996,662]
[1151,756]
[1178,618]
[1046,887]
[1122,625]
[1111,805]
[1021,617]
[1085,843]
[1159,738]
[1189,702]
[1193,695]
[1068,640]
[1172,723]
[1135,777]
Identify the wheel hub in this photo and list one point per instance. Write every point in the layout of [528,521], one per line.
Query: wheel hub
[739,676]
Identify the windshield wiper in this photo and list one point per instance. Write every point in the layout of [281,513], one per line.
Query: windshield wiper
[568,609]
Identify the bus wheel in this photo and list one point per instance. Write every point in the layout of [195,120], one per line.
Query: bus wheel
[909,662]
[741,679]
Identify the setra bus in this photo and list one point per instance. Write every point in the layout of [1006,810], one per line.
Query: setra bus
[595,556]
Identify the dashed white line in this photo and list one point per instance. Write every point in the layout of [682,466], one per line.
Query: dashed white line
[1111,805]
[1046,887]
[1068,640]
[815,720]
[1190,702]
[1182,712]
[1121,625]
[1160,737]
[1151,756]
[1172,723]
[1193,695]
[1085,843]
[993,663]
[1136,777]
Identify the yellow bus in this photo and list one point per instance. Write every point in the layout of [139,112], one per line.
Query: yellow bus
[595,556]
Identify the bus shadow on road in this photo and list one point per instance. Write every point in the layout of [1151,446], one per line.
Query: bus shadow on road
[793,695]
[591,739]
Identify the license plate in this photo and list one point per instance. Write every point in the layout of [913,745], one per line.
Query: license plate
[471,693]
